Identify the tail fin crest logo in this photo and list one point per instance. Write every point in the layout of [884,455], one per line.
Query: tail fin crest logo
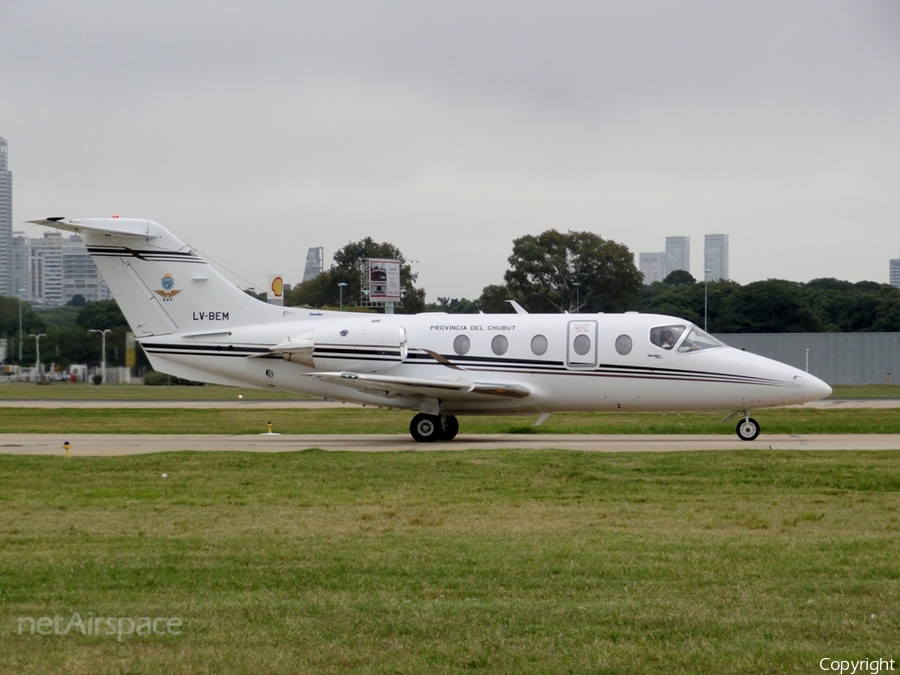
[168,287]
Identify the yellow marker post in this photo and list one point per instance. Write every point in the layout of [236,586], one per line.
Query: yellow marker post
[66,447]
[269,427]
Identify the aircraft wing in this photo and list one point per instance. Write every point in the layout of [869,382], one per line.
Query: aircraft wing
[392,387]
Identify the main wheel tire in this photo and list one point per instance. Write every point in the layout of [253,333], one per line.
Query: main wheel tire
[747,429]
[449,427]
[425,428]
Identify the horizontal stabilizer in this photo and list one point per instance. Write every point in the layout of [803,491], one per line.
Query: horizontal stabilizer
[123,227]
[392,386]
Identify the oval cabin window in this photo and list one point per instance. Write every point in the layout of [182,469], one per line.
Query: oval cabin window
[499,345]
[623,345]
[539,345]
[461,344]
[582,345]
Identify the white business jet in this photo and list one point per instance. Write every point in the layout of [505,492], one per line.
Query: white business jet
[194,324]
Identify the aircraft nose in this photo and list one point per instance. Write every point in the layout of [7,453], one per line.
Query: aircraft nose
[814,389]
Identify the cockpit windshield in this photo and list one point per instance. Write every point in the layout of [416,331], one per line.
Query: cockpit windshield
[698,340]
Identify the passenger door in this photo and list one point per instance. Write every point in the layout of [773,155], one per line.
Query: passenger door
[581,344]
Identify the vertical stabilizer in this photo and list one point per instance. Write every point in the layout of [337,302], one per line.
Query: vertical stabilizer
[161,285]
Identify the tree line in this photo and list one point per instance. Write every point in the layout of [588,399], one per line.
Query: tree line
[582,272]
[575,272]
[67,338]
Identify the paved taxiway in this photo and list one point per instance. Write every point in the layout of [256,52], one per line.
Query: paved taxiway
[134,444]
[320,403]
[88,445]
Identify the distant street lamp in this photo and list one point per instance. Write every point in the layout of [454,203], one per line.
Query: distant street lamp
[21,332]
[706,300]
[577,286]
[37,348]
[103,335]
[341,290]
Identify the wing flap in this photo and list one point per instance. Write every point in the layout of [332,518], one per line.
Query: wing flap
[393,386]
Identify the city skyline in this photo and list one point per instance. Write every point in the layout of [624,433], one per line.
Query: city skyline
[452,130]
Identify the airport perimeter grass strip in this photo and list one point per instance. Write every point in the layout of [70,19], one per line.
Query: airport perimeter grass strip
[82,391]
[353,420]
[499,562]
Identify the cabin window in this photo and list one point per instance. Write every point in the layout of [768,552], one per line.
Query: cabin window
[698,340]
[539,345]
[581,345]
[499,345]
[665,337]
[461,344]
[624,345]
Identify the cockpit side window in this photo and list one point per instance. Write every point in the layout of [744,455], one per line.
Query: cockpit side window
[698,340]
[665,337]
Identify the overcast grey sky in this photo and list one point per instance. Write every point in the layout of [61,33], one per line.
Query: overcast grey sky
[254,130]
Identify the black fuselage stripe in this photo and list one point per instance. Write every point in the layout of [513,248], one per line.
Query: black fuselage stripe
[506,366]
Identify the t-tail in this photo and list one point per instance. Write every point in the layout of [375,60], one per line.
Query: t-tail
[161,284]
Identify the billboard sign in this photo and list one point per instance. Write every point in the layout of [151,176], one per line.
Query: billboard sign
[384,280]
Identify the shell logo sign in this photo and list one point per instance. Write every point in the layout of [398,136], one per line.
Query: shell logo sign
[277,287]
[275,290]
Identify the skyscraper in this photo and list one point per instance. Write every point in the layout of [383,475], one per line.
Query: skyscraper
[6,281]
[715,256]
[62,268]
[895,272]
[652,266]
[678,254]
[315,259]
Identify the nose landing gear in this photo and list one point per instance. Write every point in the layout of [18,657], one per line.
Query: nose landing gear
[427,428]
[747,428]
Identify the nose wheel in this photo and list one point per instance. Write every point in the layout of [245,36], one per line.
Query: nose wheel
[427,428]
[747,429]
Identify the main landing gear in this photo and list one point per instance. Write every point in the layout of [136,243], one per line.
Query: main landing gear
[426,428]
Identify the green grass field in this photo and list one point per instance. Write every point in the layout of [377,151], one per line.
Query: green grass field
[211,392]
[353,420]
[81,391]
[496,562]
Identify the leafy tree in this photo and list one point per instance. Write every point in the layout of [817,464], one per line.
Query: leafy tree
[454,306]
[77,300]
[679,278]
[692,301]
[552,271]
[350,267]
[829,284]
[60,317]
[100,315]
[9,326]
[494,298]
[773,306]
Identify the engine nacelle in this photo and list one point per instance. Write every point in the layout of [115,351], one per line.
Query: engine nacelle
[361,347]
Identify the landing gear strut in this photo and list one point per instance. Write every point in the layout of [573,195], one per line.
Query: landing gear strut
[427,428]
[747,429]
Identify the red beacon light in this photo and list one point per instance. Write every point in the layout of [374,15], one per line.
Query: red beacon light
[115,215]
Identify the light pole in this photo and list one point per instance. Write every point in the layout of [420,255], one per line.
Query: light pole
[21,332]
[37,348]
[577,286]
[103,335]
[706,300]
[341,290]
